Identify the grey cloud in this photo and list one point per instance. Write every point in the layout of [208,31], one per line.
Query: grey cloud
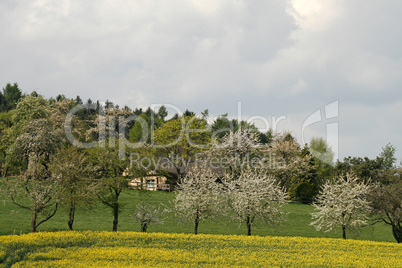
[276,57]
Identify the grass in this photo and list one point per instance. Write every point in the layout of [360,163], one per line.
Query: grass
[15,220]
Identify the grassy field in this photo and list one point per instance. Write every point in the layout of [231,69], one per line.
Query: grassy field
[15,220]
[131,249]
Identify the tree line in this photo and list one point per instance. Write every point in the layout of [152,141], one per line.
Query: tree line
[216,167]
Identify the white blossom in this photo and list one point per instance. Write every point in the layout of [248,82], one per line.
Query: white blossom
[147,214]
[255,196]
[197,197]
[342,202]
[236,151]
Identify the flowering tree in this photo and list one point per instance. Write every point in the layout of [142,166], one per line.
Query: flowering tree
[34,189]
[107,123]
[37,133]
[285,159]
[147,214]
[282,157]
[254,195]
[28,109]
[197,197]
[236,151]
[342,202]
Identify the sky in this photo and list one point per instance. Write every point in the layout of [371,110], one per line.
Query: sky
[315,68]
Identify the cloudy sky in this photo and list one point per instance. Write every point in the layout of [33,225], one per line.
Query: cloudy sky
[277,61]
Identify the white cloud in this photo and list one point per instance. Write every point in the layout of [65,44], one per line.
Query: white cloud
[314,15]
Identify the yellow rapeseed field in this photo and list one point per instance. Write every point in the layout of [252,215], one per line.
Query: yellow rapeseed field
[131,249]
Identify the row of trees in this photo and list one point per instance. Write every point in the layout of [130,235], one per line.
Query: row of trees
[257,193]
[251,196]
[44,170]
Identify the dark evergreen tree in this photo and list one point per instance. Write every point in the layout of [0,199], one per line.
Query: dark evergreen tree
[188,113]
[9,97]
[162,113]
[60,97]
[78,100]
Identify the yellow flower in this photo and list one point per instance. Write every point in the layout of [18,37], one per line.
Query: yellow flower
[131,249]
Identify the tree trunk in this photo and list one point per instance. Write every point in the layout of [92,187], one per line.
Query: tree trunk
[5,171]
[116,217]
[248,222]
[144,226]
[343,226]
[196,221]
[344,231]
[397,232]
[71,217]
[178,175]
[33,221]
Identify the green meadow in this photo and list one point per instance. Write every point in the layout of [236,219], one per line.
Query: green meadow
[15,220]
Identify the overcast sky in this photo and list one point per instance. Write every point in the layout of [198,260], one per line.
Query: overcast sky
[276,58]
